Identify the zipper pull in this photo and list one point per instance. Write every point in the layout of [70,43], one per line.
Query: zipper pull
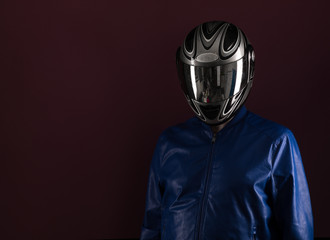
[254,232]
[214,137]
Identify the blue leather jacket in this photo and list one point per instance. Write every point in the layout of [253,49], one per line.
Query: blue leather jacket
[245,182]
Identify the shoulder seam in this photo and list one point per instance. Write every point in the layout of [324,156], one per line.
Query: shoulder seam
[260,130]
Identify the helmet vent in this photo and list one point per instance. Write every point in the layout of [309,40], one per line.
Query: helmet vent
[207,57]
[210,112]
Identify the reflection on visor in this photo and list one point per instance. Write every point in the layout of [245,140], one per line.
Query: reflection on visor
[213,84]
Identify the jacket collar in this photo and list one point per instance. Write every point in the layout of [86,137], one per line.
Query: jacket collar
[237,118]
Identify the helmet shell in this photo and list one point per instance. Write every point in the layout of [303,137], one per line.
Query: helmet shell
[215,66]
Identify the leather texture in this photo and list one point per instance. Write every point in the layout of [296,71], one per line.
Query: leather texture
[249,183]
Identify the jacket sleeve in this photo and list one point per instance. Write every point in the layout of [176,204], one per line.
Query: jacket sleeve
[151,228]
[291,200]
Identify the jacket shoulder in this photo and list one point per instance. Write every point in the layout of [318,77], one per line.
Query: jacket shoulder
[270,129]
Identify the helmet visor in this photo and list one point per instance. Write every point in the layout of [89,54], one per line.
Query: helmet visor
[213,84]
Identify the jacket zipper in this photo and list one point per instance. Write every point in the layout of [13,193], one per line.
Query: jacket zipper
[254,233]
[206,188]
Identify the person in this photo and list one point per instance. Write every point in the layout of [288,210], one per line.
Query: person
[226,173]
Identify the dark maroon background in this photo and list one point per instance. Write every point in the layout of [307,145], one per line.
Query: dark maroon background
[87,87]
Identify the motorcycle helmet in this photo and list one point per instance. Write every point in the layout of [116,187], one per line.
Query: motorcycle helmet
[215,66]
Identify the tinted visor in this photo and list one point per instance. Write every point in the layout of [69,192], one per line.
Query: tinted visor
[213,84]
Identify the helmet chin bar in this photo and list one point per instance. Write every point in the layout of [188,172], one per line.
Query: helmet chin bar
[218,113]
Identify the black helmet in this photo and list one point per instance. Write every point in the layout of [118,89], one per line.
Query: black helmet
[215,66]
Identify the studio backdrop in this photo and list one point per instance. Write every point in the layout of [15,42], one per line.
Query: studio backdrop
[87,87]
